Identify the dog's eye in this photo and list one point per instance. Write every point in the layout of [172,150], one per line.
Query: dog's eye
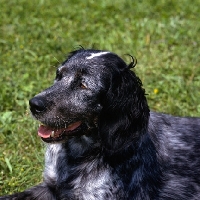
[83,86]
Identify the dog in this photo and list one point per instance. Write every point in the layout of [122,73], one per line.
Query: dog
[103,142]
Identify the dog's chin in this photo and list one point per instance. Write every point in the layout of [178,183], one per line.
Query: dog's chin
[54,135]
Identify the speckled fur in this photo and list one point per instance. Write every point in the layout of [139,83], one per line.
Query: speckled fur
[127,152]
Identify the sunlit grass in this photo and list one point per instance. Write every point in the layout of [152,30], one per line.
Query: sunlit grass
[35,37]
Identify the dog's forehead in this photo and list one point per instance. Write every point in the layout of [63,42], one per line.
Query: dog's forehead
[85,59]
[97,54]
[90,57]
[91,61]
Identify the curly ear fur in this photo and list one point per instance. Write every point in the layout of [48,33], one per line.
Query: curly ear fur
[125,112]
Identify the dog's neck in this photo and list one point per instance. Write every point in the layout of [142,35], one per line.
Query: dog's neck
[84,155]
[79,165]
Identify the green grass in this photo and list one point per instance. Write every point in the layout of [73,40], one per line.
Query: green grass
[35,37]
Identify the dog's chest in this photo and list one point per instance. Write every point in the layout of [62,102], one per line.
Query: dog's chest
[96,181]
[92,184]
[91,180]
[54,157]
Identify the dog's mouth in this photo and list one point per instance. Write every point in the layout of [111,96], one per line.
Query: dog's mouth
[53,135]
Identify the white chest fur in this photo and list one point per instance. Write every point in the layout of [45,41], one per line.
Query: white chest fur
[92,180]
[53,153]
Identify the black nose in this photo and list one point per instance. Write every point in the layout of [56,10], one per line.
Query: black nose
[37,105]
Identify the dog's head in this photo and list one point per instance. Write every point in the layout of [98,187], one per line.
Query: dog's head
[92,88]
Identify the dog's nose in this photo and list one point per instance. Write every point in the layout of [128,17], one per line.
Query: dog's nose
[37,105]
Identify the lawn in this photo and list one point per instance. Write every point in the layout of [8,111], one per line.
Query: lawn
[35,37]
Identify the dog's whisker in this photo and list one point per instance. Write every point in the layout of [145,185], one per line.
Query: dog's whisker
[57,60]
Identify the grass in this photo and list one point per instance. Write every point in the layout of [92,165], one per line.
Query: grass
[35,37]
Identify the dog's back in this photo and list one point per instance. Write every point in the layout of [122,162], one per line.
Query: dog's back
[177,141]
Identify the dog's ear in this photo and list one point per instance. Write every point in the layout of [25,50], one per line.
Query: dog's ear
[125,112]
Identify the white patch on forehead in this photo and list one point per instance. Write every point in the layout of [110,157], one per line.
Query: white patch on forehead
[96,55]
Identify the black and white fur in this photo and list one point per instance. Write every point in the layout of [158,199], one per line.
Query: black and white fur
[121,150]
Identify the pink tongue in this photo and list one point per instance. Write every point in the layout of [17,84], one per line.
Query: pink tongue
[45,131]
